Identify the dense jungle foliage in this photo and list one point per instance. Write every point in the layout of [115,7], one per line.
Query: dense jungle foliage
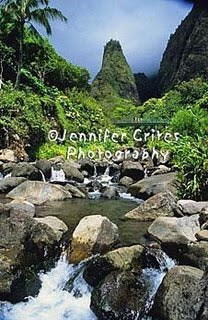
[40,90]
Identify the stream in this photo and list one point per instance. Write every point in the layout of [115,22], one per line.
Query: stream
[54,302]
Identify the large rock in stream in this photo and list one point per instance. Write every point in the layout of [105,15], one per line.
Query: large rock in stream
[9,183]
[175,230]
[132,170]
[123,259]
[195,254]
[110,193]
[21,206]
[153,185]
[162,204]
[121,295]
[45,166]
[71,170]
[179,296]
[94,234]
[190,207]
[26,170]
[27,245]
[39,192]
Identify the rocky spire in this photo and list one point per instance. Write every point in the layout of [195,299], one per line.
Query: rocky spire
[115,77]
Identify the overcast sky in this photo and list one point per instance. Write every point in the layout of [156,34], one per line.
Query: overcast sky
[142,26]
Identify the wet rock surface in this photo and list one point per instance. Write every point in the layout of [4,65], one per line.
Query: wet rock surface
[23,255]
[123,259]
[176,298]
[120,296]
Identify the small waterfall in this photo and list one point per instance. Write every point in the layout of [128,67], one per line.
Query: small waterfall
[1,176]
[53,301]
[95,171]
[43,176]
[57,175]
[155,277]
[8,175]
[107,171]
[129,197]
[94,195]
[105,179]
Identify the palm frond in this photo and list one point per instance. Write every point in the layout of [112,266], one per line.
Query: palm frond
[38,16]
[43,17]
[33,30]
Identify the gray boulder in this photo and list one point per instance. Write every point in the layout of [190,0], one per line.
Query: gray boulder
[27,245]
[7,184]
[75,191]
[126,181]
[151,186]
[160,205]
[175,231]
[7,168]
[47,231]
[176,298]
[110,193]
[202,235]
[87,165]
[22,206]
[133,170]
[26,170]
[72,172]
[190,207]
[161,170]
[45,166]
[39,192]
[196,255]
[121,295]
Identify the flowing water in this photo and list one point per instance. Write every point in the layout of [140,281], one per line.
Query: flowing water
[55,303]
[57,175]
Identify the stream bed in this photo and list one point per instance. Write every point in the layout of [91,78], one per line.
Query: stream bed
[54,301]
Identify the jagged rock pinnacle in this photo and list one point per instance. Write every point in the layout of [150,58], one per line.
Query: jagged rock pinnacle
[115,77]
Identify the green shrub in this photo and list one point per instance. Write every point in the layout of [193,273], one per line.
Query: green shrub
[192,122]
[184,96]
[22,113]
[191,158]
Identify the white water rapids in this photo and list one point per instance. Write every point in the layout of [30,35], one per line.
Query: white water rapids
[55,303]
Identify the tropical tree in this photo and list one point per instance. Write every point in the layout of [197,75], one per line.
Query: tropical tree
[28,12]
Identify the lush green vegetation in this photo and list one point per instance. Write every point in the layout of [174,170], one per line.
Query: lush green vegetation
[40,90]
[186,109]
